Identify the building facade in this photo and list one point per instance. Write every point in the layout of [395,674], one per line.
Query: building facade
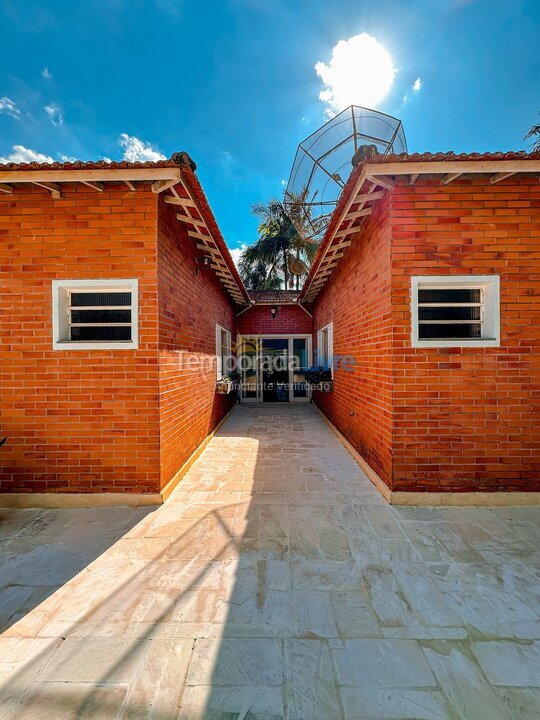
[121,307]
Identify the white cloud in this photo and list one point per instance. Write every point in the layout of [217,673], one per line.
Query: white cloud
[237,252]
[417,84]
[46,74]
[136,150]
[68,158]
[55,114]
[8,107]
[20,154]
[283,182]
[360,72]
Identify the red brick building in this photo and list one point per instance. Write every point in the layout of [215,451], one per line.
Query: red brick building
[120,306]
[437,297]
[111,408]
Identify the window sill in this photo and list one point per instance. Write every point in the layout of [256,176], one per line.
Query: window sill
[463,343]
[91,345]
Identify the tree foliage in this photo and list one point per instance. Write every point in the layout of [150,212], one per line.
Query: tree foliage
[281,256]
[534,132]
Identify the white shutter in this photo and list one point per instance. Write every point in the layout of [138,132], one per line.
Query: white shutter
[227,353]
[319,347]
[330,340]
[219,368]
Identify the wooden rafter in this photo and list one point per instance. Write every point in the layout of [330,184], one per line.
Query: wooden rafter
[209,248]
[94,185]
[447,179]
[204,239]
[330,258]
[188,219]
[131,185]
[53,188]
[382,181]
[197,235]
[368,197]
[359,213]
[160,185]
[177,200]
[500,176]
[6,188]
[413,179]
[347,231]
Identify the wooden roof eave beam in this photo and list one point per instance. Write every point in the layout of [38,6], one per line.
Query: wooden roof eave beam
[446,167]
[92,175]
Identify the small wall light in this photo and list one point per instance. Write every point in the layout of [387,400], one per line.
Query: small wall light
[205,260]
[273,311]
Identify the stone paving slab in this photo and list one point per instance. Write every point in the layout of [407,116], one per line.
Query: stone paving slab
[274,583]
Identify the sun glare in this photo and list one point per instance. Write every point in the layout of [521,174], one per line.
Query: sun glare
[360,72]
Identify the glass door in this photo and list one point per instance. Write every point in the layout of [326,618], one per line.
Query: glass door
[249,355]
[272,369]
[275,369]
[299,364]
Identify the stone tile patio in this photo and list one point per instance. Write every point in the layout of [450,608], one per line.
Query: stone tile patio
[275,583]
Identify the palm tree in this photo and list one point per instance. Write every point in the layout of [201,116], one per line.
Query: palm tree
[280,253]
[534,132]
[256,273]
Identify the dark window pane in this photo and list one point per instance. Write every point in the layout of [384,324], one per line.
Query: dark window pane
[449,313]
[99,333]
[444,332]
[100,316]
[99,299]
[448,295]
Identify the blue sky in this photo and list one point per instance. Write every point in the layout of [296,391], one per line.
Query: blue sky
[233,82]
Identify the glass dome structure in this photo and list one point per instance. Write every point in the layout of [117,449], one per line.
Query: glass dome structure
[324,161]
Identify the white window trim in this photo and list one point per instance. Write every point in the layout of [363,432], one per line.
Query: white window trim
[491,320]
[219,353]
[330,339]
[59,310]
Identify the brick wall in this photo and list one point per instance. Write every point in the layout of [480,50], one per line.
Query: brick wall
[440,419]
[190,305]
[289,320]
[76,420]
[357,300]
[467,418]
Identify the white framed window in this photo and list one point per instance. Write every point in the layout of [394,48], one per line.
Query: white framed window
[95,314]
[325,346]
[455,311]
[223,352]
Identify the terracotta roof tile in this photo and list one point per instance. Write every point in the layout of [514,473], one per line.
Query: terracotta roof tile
[449,155]
[274,296]
[179,159]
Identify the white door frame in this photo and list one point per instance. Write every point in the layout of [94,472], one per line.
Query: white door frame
[278,336]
